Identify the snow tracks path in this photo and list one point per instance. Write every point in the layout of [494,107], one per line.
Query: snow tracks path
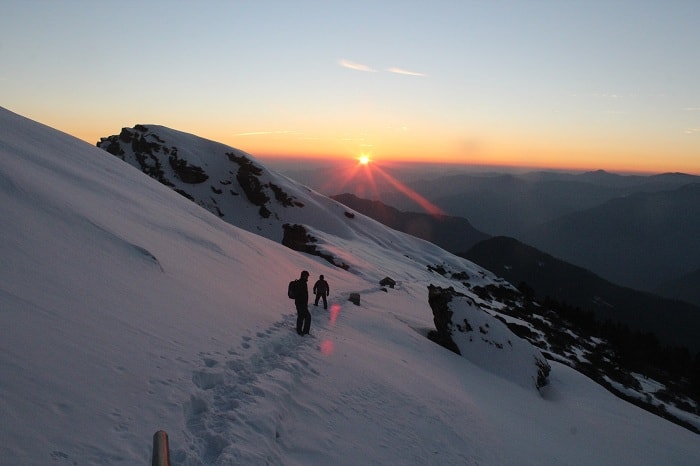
[242,402]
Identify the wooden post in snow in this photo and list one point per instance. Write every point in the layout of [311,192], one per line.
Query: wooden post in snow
[161,451]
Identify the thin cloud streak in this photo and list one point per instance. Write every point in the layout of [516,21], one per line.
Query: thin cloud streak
[368,69]
[405,72]
[356,66]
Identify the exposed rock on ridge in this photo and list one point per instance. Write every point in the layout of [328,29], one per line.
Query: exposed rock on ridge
[463,327]
[191,165]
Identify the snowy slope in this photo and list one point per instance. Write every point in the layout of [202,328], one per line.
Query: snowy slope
[236,187]
[125,308]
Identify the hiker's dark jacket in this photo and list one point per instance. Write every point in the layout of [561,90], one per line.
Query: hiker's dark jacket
[321,287]
[301,294]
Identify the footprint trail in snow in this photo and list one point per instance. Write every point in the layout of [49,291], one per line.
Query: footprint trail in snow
[243,398]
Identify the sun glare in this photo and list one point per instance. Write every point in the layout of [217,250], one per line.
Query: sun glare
[364,159]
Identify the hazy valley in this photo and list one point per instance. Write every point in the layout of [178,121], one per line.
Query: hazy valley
[637,231]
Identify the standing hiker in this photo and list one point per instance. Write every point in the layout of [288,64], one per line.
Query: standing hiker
[301,301]
[321,290]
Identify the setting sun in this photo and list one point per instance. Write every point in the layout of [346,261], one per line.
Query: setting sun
[364,159]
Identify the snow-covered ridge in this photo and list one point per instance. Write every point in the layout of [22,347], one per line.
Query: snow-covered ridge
[241,190]
[126,308]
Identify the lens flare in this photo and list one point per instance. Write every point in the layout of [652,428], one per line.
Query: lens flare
[334,311]
[327,347]
[363,179]
[428,206]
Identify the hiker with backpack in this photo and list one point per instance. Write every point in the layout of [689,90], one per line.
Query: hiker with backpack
[299,291]
[321,290]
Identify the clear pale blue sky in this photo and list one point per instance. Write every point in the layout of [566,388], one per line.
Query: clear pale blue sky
[584,84]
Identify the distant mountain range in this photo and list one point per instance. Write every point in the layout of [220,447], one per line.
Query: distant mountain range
[510,204]
[674,322]
[448,232]
[686,288]
[641,240]
[638,231]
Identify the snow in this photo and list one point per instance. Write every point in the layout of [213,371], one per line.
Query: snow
[125,309]
[488,343]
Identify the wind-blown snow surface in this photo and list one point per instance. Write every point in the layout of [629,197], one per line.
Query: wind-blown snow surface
[125,308]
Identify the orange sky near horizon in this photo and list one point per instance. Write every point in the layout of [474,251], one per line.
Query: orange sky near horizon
[507,148]
[520,151]
[544,85]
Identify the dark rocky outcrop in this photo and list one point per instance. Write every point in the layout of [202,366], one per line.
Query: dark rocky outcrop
[144,151]
[297,238]
[187,173]
[248,178]
[143,148]
[439,299]
[354,298]
[386,281]
[464,328]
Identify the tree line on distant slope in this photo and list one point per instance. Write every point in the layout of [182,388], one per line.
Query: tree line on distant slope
[608,352]
[636,351]
[675,323]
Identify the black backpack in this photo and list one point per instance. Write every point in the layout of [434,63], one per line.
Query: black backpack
[292,289]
